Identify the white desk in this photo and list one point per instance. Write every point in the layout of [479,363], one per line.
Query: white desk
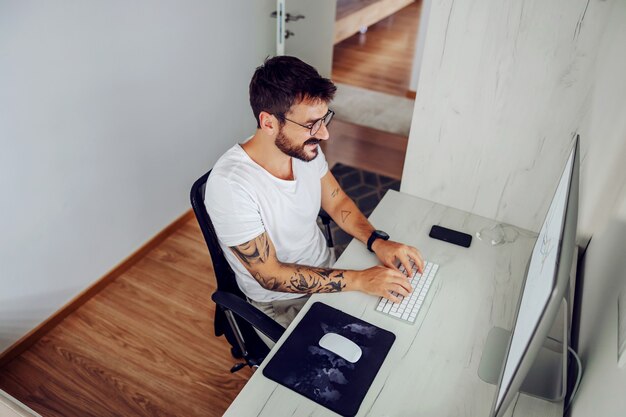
[431,370]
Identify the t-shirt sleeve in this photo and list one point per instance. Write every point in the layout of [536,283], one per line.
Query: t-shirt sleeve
[322,165]
[233,211]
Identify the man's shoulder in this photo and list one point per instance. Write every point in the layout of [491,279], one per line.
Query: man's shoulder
[231,162]
[233,156]
[233,168]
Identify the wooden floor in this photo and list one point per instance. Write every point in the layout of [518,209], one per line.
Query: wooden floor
[144,346]
[381,59]
[365,148]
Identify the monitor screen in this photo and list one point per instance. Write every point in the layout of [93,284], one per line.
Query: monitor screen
[540,283]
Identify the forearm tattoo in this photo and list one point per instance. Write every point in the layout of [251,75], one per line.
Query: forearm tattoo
[334,193]
[304,279]
[311,280]
[294,278]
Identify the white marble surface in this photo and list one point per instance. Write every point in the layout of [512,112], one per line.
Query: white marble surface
[431,369]
[504,86]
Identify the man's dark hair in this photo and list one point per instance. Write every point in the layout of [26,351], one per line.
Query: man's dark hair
[283,81]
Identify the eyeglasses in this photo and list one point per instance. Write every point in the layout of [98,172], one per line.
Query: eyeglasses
[316,125]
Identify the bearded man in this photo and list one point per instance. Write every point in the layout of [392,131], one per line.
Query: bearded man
[264,195]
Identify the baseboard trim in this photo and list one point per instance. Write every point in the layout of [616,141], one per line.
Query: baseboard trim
[34,335]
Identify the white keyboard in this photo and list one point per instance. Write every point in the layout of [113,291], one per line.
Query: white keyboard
[409,307]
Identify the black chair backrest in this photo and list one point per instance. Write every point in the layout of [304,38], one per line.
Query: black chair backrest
[223,272]
[255,349]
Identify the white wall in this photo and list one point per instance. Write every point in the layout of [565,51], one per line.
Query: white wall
[504,86]
[604,176]
[603,385]
[604,211]
[108,112]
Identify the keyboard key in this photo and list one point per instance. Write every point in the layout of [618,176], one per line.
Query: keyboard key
[408,308]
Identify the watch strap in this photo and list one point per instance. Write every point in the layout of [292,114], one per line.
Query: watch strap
[376,234]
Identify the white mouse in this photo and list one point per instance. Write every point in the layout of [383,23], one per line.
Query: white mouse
[341,346]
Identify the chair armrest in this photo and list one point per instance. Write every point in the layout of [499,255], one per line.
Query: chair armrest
[324,217]
[249,313]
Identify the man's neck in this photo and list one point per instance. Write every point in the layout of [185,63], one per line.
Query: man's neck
[261,149]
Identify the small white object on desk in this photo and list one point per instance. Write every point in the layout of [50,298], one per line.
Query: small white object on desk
[341,346]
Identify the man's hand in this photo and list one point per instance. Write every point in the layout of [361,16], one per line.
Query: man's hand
[389,252]
[380,281]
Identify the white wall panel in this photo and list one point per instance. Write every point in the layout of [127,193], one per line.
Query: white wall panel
[504,87]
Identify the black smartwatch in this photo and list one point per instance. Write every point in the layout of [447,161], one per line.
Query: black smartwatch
[376,234]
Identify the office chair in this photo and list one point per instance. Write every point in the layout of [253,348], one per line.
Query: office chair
[235,318]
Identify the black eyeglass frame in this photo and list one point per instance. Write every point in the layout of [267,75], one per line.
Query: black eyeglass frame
[312,126]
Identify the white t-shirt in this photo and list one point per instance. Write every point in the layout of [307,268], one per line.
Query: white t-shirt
[244,200]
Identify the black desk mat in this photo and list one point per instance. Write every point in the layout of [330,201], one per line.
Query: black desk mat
[322,376]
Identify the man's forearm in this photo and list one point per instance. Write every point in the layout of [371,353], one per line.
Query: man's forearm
[351,220]
[304,279]
[259,257]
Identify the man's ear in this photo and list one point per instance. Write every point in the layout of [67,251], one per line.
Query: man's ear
[269,123]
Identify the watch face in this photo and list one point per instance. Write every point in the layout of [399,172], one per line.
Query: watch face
[382,234]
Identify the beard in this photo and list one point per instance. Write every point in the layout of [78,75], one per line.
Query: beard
[298,152]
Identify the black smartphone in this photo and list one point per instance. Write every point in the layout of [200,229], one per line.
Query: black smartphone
[450,236]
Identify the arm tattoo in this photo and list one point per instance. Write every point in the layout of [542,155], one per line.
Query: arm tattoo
[334,193]
[305,280]
[297,278]
[301,284]
[344,215]
[311,280]
[269,283]
[255,251]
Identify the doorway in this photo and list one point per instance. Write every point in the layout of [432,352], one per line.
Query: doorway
[378,57]
[373,67]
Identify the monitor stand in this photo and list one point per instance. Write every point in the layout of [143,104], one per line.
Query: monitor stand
[546,377]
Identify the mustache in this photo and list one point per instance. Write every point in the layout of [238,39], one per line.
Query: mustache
[312,141]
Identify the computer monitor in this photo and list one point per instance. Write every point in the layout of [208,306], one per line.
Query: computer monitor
[519,357]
